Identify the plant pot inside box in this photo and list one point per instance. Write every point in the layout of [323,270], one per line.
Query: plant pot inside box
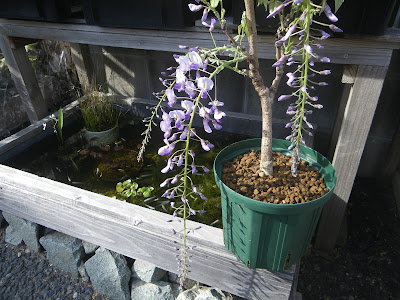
[138,14]
[100,138]
[39,10]
[267,235]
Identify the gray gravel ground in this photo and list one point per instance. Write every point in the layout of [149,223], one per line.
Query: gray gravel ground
[28,275]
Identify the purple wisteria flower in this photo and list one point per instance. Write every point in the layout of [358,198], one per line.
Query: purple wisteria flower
[328,12]
[277,10]
[304,49]
[194,7]
[205,84]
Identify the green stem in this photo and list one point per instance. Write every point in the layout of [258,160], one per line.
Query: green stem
[304,73]
[186,171]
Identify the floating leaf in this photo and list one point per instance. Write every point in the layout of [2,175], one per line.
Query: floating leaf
[105,148]
[119,188]
[84,151]
[118,147]
[146,194]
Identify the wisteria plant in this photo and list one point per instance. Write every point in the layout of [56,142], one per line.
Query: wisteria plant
[190,92]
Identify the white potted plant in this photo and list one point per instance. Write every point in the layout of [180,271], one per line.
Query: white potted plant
[100,117]
[284,225]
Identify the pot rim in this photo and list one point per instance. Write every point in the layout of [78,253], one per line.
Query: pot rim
[104,131]
[306,154]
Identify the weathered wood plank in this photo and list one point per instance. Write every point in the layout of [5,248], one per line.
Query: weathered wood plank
[24,78]
[341,51]
[84,67]
[136,232]
[353,134]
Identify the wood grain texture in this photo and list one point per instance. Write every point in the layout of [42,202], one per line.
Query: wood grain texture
[340,51]
[24,79]
[357,119]
[84,67]
[136,232]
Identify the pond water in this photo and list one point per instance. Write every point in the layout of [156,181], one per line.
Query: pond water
[86,167]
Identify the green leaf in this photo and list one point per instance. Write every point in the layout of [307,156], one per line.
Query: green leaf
[223,11]
[60,123]
[133,193]
[273,6]
[146,194]
[338,4]
[126,193]
[214,3]
[263,2]
[127,182]
[119,188]
[134,185]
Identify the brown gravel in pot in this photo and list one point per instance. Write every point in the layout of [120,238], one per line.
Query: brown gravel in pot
[243,175]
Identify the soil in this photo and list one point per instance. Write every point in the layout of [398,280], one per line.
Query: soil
[243,175]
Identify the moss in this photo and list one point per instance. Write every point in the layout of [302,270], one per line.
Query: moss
[118,165]
[150,175]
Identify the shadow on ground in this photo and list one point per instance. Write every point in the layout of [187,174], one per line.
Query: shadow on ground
[367,266]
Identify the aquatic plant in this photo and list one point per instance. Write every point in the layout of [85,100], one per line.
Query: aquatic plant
[97,109]
[58,124]
[129,188]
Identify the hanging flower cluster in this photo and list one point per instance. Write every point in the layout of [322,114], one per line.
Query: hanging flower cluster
[188,94]
[299,43]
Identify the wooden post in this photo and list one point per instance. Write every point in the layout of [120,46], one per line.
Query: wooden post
[89,63]
[81,56]
[353,134]
[24,78]
[99,70]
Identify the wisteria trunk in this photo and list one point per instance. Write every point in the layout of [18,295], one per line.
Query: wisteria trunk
[266,162]
[265,95]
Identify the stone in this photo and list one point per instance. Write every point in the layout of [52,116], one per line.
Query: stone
[83,273]
[27,231]
[147,272]
[209,293]
[109,274]
[188,284]
[89,247]
[190,294]
[63,251]
[155,291]
[12,237]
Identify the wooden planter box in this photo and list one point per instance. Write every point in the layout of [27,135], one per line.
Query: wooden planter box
[131,230]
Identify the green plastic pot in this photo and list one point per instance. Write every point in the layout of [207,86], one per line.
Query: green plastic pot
[266,235]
